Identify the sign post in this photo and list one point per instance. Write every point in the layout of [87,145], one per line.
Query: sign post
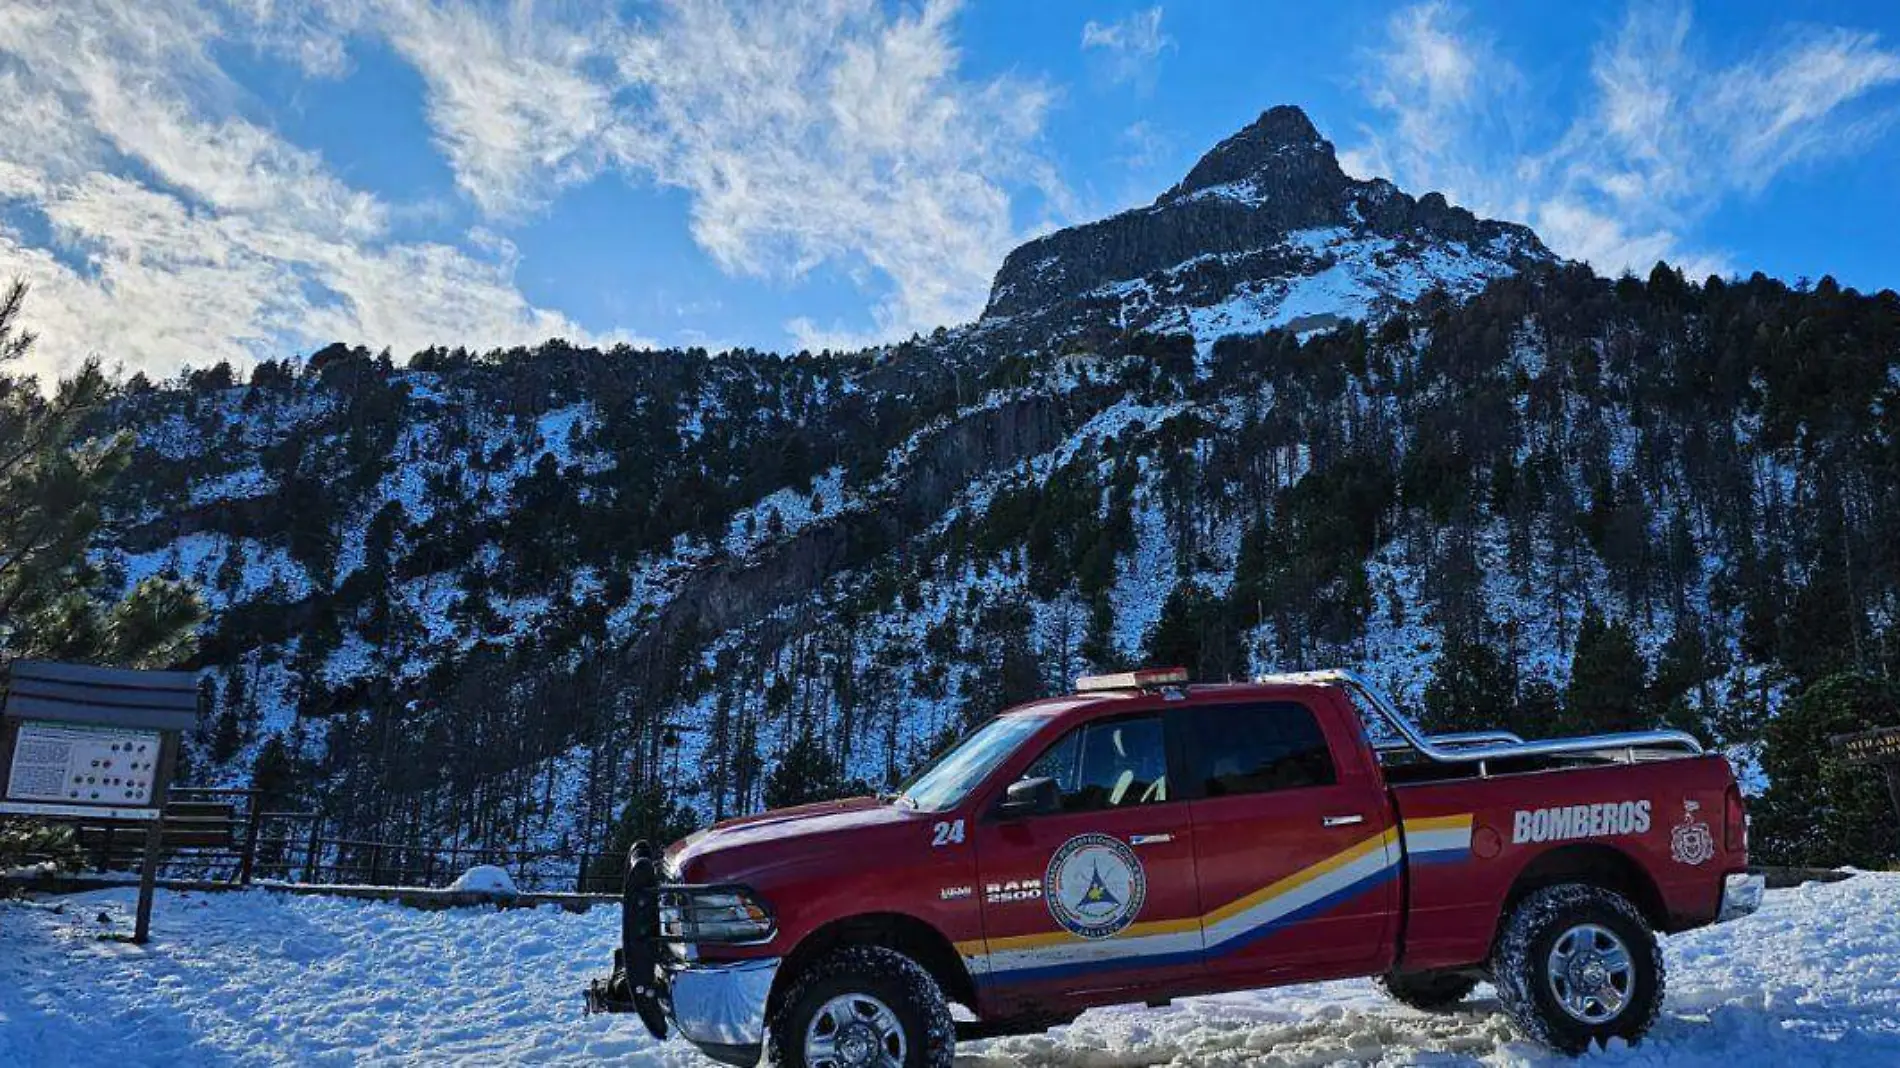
[91,745]
[1878,748]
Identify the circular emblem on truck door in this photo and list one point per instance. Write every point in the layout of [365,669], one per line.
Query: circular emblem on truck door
[1094,885]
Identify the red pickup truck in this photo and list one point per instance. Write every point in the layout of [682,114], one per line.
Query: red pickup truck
[1145,839]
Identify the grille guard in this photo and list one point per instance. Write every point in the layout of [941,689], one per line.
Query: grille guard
[637,984]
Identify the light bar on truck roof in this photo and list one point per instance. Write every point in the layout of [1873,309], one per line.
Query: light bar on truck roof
[1145,679]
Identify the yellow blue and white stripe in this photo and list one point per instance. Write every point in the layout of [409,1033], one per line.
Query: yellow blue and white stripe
[1300,896]
[1438,839]
[1234,926]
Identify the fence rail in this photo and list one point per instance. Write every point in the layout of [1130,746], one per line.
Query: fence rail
[229,834]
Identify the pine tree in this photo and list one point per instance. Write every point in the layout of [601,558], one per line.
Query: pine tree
[649,816]
[53,603]
[1607,679]
[1818,810]
[275,771]
[1470,689]
[1679,692]
[1196,631]
[808,772]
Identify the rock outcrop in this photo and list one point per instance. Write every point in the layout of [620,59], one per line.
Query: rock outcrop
[1234,245]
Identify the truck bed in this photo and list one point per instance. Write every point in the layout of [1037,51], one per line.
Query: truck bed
[1469,837]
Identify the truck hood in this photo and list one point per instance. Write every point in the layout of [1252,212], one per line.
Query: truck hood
[738,848]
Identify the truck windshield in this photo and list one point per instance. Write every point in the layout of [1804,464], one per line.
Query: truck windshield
[948,781]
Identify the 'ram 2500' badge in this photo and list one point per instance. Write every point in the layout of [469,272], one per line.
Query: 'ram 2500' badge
[1094,885]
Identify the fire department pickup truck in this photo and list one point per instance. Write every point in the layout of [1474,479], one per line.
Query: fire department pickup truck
[1145,839]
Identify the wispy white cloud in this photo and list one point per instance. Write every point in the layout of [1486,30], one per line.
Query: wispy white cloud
[1131,46]
[1144,145]
[1438,81]
[513,98]
[1663,139]
[313,34]
[172,231]
[807,134]
[835,133]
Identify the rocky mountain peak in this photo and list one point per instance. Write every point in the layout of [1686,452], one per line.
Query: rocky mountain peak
[1264,231]
[1280,148]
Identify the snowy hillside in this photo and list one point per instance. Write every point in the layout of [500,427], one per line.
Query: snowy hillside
[257,979]
[557,597]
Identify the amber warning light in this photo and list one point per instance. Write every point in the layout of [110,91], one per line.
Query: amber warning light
[1146,679]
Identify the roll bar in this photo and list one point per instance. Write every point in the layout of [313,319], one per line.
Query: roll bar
[1474,747]
[1456,739]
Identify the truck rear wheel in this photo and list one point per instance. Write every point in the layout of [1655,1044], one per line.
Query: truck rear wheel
[1577,966]
[863,1007]
[1427,991]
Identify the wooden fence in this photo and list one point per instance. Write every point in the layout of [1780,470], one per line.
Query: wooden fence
[234,835]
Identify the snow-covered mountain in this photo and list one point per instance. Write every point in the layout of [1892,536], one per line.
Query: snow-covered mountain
[528,596]
[1266,231]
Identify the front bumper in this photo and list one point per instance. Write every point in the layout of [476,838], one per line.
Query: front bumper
[719,1007]
[1741,896]
[723,1004]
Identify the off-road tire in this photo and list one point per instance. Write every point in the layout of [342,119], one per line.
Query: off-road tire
[1428,991]
[930,1036]
[1520,968]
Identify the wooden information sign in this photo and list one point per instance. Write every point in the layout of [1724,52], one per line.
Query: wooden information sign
[1879,747]
[81,744]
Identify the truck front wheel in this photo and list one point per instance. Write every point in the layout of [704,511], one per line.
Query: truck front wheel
[1427,991]
[1578,965]
[863,1007]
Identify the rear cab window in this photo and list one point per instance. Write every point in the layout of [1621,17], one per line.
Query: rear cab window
[1255,748]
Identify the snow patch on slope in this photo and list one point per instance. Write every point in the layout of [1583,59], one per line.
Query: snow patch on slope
[1361,279]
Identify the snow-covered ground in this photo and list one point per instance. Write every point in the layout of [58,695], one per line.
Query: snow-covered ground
[257,978]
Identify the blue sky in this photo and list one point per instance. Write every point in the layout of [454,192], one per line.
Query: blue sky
[185,181]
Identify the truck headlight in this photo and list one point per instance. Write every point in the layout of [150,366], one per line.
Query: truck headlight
[713,914]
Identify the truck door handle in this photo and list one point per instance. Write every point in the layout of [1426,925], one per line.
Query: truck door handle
[1149,839]
[1341,821]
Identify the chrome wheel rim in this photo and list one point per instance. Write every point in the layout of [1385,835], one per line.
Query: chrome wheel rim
[1591,973]
[854,1031]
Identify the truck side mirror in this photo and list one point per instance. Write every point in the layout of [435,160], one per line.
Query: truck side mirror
[1030,797]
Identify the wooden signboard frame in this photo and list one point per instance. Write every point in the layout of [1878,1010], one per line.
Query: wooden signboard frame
[1880,748]
[82,744]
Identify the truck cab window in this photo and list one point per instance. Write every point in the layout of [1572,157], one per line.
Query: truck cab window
[1108,764]
[951,777]
[1256,748]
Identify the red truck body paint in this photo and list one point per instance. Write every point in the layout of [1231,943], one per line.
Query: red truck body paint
[1196,894]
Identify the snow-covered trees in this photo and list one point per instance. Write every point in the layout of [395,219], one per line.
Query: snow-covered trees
[1818,809]
[545,554]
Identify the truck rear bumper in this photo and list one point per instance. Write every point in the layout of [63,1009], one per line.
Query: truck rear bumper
[1741,896]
